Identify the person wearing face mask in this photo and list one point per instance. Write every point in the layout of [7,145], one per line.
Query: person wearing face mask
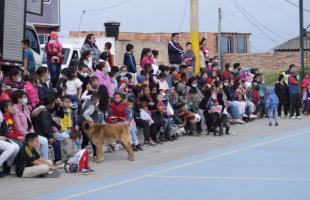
[84,76]
[90,45]
[14,80]
[92,87]
[45,87]
[22,119]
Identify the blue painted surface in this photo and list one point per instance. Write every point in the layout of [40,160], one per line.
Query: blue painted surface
[286,158]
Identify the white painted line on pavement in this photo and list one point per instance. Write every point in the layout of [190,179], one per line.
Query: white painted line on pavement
[181,166]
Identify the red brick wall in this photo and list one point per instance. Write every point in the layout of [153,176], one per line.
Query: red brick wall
[269,61]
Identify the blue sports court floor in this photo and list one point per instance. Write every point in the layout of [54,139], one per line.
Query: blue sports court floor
[270,168]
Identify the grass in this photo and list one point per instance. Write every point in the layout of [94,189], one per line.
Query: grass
[271,77]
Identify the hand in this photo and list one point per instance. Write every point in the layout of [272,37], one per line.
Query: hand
[29,107]
[2,138]
[51,140]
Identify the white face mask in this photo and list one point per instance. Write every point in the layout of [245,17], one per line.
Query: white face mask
[1,117]
[19,79]
[194,85]
[225,84]
[48,78]
[84,74]
[24,100]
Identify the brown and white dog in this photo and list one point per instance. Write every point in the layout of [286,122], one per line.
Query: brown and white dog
[100,134]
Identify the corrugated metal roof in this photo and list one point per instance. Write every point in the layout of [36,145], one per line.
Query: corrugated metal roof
[294,45]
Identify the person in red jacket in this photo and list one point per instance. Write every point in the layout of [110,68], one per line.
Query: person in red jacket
[118,109]
[227,73]
[11,130]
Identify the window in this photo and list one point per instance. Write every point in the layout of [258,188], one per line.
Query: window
[227,44]
[43,39]
[66,56]
[34,43]
[241,45]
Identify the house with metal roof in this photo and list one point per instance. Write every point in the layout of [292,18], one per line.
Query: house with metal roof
[294,44]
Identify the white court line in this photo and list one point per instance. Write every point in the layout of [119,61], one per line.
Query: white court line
[232,178]
[180,166]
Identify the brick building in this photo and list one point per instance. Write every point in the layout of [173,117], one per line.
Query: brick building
[279,59]
[231,42]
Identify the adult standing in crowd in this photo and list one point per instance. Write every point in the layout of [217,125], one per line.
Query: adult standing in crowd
[129,59]
[146,57]
[29,64]
[295,96]
[55,55]
[90,45]
[203,53]
[188,56]
[175,51]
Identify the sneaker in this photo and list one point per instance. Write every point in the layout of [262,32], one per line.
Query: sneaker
[277,124]
[239,121]
[134,148]
[292,117]
[84,172]
[52,174]
[111,148]
[253,116]
[91,171]
[139,147]
[298,117]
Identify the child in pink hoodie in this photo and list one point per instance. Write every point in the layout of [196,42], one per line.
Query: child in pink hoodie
[31,91]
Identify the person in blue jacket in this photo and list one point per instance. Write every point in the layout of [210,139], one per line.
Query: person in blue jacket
[272,103]
[129,59]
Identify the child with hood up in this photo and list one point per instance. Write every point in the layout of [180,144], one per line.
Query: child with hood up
[272,103]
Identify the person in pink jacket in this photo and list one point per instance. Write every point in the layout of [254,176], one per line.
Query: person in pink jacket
[31,91]
[104,78]
[146,57]
[22,119]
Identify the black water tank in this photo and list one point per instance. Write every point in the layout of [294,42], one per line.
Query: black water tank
[112,29]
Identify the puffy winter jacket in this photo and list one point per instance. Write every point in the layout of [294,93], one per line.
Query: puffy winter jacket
[272,99]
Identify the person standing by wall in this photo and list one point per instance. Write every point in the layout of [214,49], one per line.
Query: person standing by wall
[90,45]
[175,51]
[29,64]
[129,59]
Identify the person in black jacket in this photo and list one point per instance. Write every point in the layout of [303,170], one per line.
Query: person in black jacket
[281,90]
[45,87]
[129,59]
[175,51]
[43,122]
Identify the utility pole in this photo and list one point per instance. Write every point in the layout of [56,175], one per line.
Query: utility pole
[194,34]
[301,37]
[219,37]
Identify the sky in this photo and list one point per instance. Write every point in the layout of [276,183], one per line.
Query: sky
[275,21]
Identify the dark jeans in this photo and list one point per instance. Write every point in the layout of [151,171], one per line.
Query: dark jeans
[285,106]
[54,69]
[295,104]
[86,141]
[146,128]
[57,150]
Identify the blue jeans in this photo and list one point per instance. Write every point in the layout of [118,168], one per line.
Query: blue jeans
[57,150]
[43,147]
[54,69]
[234,111]
[133,133]
[167,126]
[273,114]
[75,104]
[61,136]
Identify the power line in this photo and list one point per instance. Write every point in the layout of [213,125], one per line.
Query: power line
[184,14]
[264,26]
[109,7]
[251,22]
[294,4]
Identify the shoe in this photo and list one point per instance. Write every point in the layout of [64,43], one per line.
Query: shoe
[292,117]
[139,147]
[111,148]
[52,174]
[163,139]
[298,117]
[239,121]
[158,141]
[170,139]
[270,124]
[134,148]
[84,172]
[253,116]
[91,171]
[276,124]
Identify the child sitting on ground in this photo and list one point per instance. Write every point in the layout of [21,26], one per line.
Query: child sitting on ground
[76,159]
[272,104]
[29,163]
[118,109]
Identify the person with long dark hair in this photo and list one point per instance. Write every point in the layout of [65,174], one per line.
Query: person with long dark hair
[90,45]
[146,57]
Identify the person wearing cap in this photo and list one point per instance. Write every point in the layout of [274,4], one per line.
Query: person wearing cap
[55,56]
[29,64]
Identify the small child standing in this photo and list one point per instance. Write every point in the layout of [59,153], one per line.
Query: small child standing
[272,104]
[132,125]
